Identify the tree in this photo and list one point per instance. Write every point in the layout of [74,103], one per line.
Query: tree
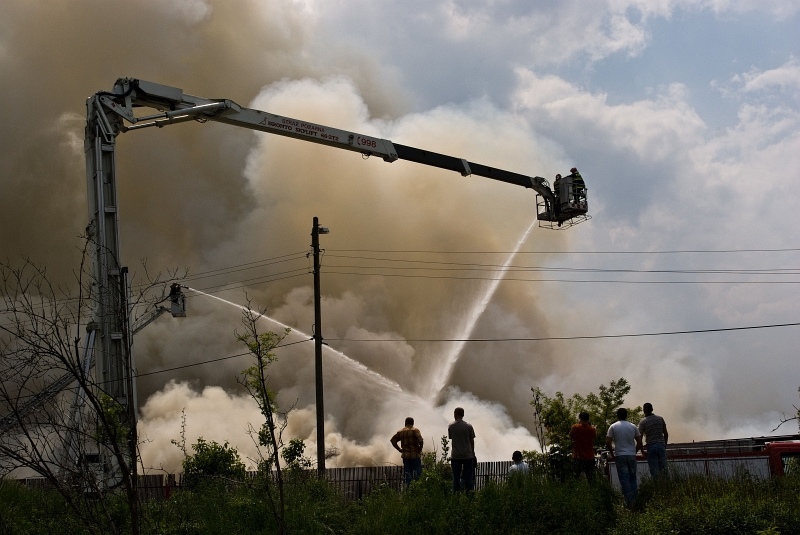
[269,435]
[785,419]
[293,455]
[602,407]
[56,419]
[554,416]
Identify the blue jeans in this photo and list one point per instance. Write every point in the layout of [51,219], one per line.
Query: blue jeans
[463,469]
[412,469]
[657,459]
[626,471]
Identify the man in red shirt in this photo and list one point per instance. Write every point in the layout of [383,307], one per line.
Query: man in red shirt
[583,435]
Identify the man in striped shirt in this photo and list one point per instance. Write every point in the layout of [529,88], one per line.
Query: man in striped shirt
[410,449]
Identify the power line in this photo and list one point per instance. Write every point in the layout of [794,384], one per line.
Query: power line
[586,281]
[254,281]
[579,337]
[470,340]
[674,251]
[494,267]
[245,266]
[211,361]
[473,340]
[191,365]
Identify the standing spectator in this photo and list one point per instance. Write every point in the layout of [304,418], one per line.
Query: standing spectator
[654,430]
[583,435]
[627,441]
[462,458]
[410,449]
[518,466]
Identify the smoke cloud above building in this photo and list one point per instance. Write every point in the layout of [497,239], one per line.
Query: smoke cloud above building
[676,176]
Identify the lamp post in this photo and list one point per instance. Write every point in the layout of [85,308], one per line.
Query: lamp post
[316,230]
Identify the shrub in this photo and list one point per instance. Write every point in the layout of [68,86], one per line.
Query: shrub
[212,461]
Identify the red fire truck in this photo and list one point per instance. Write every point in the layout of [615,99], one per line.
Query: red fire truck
[758,457]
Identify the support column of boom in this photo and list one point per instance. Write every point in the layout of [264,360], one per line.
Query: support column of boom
[113,373]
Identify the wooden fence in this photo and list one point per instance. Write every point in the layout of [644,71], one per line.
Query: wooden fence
[353,483]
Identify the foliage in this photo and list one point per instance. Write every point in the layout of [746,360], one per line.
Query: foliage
[439,466]
[212,461]
[312,506]
[293,456]
[56,412]
[25,511]
[556,415]
[113,414]
[269,435]
[715,506]
[530,504]
[254,379]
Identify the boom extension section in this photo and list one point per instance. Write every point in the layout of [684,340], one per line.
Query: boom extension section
[565,204]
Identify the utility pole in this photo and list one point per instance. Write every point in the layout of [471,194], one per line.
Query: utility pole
[316,230]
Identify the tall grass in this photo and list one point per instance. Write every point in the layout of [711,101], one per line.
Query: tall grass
[696,504]
[525,504]
[34,511]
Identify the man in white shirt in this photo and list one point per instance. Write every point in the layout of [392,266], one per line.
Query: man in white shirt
[627,441]
[518,466]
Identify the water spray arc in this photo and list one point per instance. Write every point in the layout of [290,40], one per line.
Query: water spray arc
[439,379]
[353,364]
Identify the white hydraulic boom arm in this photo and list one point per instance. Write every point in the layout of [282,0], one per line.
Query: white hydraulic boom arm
[176,106]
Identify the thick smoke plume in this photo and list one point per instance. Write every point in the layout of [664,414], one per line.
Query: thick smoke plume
[212,197]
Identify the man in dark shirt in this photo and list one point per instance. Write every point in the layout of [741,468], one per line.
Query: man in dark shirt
[462,455]
[654,429]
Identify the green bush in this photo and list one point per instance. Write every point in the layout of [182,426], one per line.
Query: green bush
[210,462]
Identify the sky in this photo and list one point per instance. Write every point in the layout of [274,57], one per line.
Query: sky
[682,115]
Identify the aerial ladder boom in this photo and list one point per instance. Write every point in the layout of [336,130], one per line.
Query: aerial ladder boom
[176,107]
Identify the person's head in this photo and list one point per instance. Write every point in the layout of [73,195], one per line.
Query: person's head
[584,417]
[558,177]
[458,413]
[647,408]
[516,456]
[409,422]
[622,413]
[573,170]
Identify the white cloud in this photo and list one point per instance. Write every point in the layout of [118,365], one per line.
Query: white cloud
[654,129]
[786,77]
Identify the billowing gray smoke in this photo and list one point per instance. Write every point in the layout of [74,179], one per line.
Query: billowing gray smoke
[209,196]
